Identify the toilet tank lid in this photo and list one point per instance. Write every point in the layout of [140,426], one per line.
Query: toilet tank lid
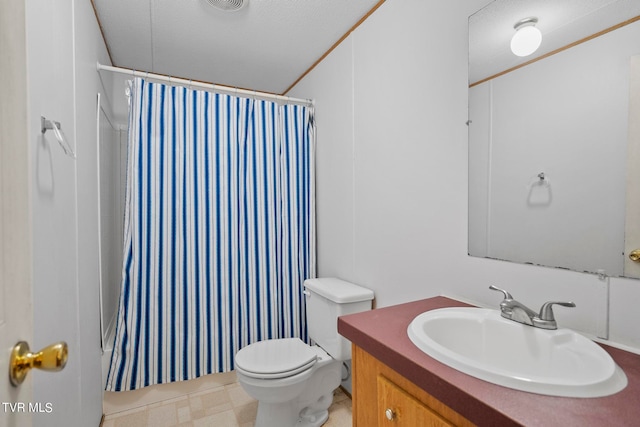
[338,290]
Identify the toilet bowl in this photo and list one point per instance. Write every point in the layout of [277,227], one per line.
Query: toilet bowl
[293,381]
[297,390]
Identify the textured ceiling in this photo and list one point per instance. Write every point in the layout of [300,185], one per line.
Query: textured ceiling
[269,44]
[561,22]
[265,46]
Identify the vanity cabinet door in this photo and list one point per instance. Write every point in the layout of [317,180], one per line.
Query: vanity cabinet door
[399,409]
[377,387]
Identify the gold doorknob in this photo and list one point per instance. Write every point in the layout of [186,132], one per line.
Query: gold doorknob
[52,358]
[635,255]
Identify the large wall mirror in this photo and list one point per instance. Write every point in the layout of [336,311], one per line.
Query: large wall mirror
[551,134]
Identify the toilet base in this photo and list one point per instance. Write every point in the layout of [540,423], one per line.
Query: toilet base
[315,421]
[316,414]
[290,415]
[276,414]
[303,404]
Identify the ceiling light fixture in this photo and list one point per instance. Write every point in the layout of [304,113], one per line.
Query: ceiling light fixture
[227,5]
[527,38]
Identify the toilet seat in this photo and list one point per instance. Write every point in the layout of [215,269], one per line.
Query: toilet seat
[277,358]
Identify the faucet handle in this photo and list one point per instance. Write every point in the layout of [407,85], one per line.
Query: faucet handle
[507,295]
[546,312]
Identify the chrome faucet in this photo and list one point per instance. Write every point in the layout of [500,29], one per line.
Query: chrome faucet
[518,312]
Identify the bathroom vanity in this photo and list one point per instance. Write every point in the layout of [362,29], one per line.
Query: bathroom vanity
[396,384]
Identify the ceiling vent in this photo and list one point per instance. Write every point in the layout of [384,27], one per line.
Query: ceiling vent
[227,5]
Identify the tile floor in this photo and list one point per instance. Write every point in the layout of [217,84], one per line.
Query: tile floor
[224,406]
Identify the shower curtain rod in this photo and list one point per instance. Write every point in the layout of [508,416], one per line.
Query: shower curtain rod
[215,87]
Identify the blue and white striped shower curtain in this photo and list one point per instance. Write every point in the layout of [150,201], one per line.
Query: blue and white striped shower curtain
[219,231]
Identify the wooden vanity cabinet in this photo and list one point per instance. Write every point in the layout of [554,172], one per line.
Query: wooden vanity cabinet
[382,397]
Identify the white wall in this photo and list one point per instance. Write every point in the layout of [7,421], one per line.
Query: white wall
[391,106]
[391,154]
[565,116]
[335,200]
[63,45]
[89,48]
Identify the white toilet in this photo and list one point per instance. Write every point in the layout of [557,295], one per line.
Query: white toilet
[292,381]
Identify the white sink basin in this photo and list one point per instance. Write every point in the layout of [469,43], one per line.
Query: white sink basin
[480,343]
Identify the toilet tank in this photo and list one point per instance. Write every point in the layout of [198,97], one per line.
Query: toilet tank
[327,299]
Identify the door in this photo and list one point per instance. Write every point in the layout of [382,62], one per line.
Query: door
[397,408]
[632,220]
[15,229]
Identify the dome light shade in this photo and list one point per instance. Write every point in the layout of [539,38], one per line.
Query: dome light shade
[227,5]
[527,38]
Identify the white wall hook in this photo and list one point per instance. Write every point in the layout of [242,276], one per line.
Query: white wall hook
[46,125]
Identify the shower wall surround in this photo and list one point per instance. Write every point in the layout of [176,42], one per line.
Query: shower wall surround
[112,146]
[391,104]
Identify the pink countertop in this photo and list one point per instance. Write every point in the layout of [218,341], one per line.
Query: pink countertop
[383,334]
